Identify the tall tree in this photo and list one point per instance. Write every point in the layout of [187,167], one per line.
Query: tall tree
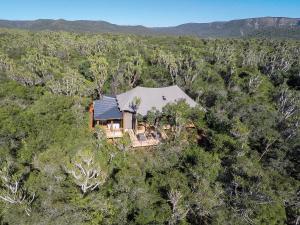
[99,69]
[133,69]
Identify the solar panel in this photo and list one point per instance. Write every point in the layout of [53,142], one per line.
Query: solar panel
[106,108]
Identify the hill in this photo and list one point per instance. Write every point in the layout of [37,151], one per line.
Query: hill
[275,27]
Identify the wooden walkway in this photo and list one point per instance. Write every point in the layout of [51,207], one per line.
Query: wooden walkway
[137,143]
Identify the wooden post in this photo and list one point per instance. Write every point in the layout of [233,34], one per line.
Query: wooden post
[91,110]
[122,121]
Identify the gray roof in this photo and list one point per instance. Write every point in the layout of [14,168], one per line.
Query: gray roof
[152,97]
[106,108]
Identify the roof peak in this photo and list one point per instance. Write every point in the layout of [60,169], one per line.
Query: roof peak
[105,96]
[152,97]
[155,87]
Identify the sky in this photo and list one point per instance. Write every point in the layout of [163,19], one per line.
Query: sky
[151,13]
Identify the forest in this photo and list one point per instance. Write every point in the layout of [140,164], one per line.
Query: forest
[239,165]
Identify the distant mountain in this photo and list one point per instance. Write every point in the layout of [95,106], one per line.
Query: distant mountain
[275,27]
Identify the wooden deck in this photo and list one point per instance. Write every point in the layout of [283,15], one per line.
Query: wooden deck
[115,133]
[137,143]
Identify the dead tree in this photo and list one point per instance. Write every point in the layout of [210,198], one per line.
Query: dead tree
[253,84]
[5,64]
[13,193]
[267,148]
[287,104]
[178,212]
[86,172]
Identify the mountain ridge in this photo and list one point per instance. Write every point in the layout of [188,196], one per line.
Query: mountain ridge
[281,27]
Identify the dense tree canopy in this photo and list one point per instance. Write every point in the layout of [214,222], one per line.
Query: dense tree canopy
[240,165]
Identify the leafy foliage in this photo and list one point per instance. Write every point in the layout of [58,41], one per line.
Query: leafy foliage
[234,159]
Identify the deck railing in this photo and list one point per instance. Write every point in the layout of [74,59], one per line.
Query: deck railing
[114,133]
[141,143]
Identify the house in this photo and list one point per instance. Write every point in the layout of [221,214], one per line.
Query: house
[118,114]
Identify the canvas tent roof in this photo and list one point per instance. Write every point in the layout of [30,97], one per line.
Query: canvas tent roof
[106,108]
[152,97]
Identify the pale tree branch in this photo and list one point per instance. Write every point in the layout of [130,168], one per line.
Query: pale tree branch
[86,172]
[178,211]
[13,193]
